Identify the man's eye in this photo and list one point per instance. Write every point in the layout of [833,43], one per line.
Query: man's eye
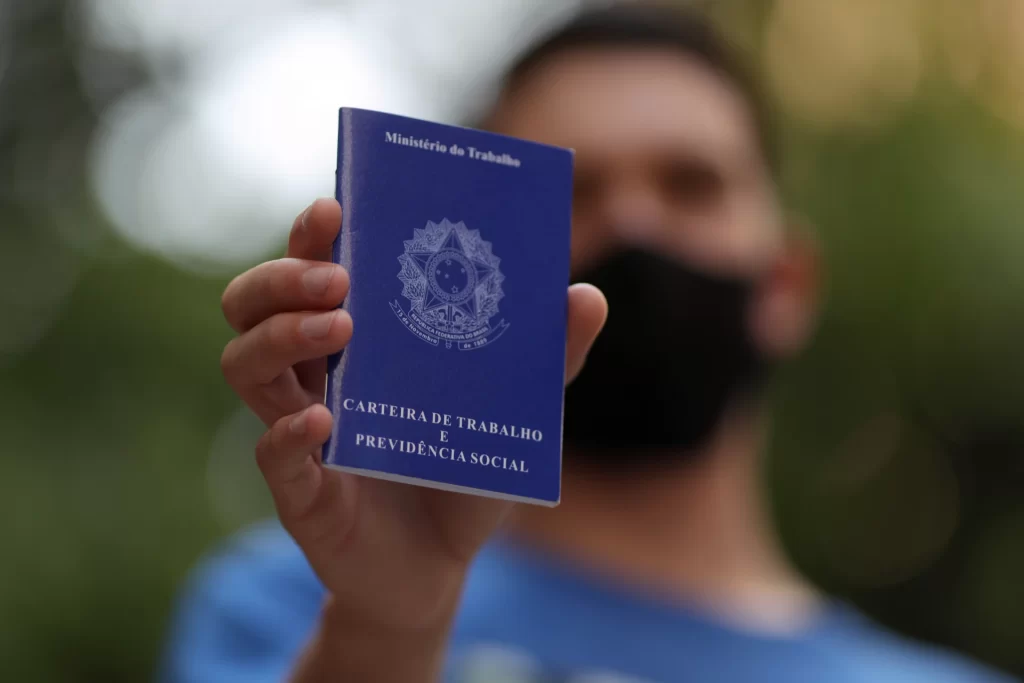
[693,184]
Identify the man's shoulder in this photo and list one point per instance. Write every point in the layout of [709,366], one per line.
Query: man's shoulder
[516,612]
[256,559]
[248,605]
[878,653]
[499,578]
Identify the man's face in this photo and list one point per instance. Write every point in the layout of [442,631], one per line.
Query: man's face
[667,158]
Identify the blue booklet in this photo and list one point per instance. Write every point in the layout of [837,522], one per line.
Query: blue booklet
[457,244]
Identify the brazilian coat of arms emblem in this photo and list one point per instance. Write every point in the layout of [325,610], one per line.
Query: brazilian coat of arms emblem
[452,285]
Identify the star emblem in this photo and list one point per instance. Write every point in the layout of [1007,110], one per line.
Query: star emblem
[452,275]
[452,283]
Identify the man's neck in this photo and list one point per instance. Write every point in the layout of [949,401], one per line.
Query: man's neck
[699,534]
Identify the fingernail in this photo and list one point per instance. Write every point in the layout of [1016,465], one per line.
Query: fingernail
[305,216]
[317,280]
[317,326]
[298,424]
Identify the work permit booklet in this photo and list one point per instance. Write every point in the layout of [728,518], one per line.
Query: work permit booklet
[457,243]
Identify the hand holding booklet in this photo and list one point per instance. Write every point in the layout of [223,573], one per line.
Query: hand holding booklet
[457,246]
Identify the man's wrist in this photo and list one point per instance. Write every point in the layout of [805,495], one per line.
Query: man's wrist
[349,647]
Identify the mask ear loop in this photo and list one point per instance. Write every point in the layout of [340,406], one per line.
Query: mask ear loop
[786,310]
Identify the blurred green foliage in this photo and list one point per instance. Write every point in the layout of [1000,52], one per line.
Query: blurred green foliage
[898,463]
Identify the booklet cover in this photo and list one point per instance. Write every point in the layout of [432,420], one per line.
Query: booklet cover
[457,244]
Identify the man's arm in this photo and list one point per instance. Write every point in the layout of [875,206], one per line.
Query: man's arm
[344,649]
[392,556]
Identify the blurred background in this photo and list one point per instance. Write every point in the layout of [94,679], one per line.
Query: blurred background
[152,149]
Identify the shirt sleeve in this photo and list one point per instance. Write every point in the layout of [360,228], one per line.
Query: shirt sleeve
[244,613]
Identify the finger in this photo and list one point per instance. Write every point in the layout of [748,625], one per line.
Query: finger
[283,396]
[287,458]
[259,356]
[588,310]
[314,230]
[287,284]
[312,376]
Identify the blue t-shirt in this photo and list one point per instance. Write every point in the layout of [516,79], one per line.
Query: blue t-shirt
[248,611]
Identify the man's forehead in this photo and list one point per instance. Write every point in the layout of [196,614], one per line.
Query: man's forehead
[613,102]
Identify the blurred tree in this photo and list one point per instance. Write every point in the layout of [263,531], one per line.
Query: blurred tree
[109,385]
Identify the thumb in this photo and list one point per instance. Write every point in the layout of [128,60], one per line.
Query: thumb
[588,309]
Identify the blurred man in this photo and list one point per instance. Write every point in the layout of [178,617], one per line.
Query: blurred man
[661,564]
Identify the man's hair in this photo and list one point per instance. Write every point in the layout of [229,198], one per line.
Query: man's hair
[645,25]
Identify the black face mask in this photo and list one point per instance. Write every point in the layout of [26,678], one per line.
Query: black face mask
[673,354]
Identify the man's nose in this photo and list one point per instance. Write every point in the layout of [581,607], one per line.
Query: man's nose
[635,213]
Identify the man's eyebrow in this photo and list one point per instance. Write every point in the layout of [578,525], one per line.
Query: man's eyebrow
[694,157]
[725,158]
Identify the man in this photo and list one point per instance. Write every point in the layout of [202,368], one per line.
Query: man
[660,564]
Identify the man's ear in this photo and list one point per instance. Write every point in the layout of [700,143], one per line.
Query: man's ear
[784,314]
